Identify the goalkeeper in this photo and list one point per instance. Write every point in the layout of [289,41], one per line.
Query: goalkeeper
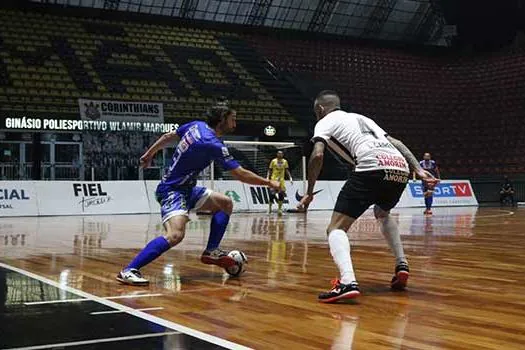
[276,171]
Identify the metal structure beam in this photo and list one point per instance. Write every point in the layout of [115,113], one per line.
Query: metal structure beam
[431,27]
[188,8]
[417,18]
[258,13]
[378,17]
[321,16]
[111,4]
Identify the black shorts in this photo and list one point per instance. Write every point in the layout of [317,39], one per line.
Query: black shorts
[381,187]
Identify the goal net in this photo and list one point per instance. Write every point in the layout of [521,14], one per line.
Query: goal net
[256,156]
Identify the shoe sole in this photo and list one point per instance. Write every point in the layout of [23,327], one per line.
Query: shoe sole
[348,295]
[401,282]
[224,262]
[130,283]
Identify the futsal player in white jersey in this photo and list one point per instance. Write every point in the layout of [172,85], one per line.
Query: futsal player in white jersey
[381,174]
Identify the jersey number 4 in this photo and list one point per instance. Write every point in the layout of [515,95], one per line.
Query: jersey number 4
[365,129]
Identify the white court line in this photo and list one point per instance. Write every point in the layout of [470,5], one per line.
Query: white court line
[94,341]
[175,326]
[129,296]
[121,311]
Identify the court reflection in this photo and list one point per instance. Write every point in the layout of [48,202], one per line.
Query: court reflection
[92,235]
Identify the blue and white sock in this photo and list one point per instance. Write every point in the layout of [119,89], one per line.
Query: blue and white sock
[219,222]
[152,251]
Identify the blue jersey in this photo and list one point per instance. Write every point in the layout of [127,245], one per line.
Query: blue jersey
[430,166]
[197,148]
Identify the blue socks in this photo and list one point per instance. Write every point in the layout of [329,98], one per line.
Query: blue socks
[159,245]
[219,221]
[152,251]
[428,202]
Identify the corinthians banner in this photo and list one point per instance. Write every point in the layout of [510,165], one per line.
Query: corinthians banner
[121,111]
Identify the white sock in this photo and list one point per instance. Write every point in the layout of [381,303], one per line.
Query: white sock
[340,249]
[391,233]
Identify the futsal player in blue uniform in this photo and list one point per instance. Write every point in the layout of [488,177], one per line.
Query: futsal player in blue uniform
[177,193]
[429,165]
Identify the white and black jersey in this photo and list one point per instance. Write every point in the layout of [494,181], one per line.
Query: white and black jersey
[360,141]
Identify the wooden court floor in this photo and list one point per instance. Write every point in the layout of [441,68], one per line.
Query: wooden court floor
[466,289]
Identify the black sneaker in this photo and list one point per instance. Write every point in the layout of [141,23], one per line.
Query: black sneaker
[399,281]
[340,291]
[218,257]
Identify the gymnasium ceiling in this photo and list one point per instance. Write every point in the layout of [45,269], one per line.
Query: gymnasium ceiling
[401,20]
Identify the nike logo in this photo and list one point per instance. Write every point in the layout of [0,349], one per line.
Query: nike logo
[298,197]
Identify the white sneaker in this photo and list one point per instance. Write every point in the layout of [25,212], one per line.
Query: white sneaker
[132,277]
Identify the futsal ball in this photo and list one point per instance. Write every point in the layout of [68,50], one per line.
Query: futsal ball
[240,263]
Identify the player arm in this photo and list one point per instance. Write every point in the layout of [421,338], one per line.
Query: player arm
[249,177]
[164,141]
[222,155]
[315,163]
[438,173]
[409,156]
[269,173]
[289,174]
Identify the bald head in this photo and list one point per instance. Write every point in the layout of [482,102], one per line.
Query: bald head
[326,102]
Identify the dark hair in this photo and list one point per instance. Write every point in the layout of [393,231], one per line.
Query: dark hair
[218,112]
[326,93]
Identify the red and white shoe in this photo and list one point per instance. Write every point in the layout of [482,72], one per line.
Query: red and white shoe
[400,279]
[340,291]
[218,257]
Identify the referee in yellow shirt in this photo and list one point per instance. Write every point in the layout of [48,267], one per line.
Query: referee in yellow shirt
[276,171]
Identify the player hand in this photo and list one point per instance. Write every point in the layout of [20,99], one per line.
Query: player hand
[145,161]
[305,201]
[427,177]
[276,185]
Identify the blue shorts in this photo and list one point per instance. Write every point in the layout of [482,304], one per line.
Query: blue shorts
[181,201]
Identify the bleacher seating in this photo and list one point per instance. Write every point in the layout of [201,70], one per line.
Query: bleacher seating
[47,62]
[467,111]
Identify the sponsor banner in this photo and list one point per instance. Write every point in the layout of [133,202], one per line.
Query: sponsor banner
[258,198]
[108,110]
[323,195]
[85,198]
[18,198]
[446,193]
[37,123]
[236,191]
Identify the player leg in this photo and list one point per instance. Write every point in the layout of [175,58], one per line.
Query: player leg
[221,207]
[270,200]
[352,201]
[280,199]
[174,213]
[428,193]
[390,192]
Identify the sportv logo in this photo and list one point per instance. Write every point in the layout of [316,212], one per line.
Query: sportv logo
[11,195]
[91,194]
[442,190]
